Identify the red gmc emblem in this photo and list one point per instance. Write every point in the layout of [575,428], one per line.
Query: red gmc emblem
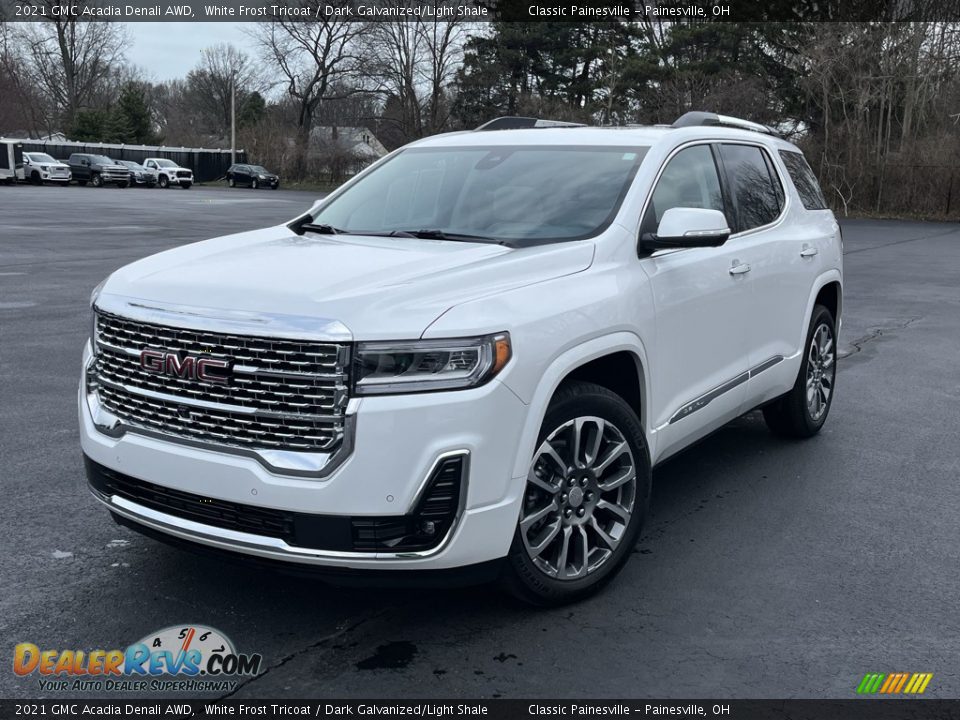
[188,367]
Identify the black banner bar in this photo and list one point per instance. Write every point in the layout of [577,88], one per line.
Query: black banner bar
[481,10]
[859,709]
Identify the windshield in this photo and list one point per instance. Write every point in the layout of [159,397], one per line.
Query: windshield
[521,195]
[101,160]
[40,158]
[166,163]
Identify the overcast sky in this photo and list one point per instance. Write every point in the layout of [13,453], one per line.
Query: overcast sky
[170,50]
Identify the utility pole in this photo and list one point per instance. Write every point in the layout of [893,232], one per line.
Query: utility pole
[233,119]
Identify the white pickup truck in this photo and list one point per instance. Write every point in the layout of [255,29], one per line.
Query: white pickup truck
[169,173]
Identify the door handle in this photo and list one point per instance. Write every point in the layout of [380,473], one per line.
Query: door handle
[808,251]
[739,268]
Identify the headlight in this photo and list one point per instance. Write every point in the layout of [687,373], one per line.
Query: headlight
[262,177]
[44,167]
[139,176]
[386,368]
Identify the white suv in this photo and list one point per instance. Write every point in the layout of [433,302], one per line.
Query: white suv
[468,358]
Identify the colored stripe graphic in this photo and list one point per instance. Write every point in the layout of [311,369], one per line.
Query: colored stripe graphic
[870,683]
[894,683]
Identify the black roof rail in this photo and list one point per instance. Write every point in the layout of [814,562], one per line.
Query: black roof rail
[698,118]
[520,123]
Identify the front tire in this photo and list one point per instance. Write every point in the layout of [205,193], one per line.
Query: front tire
[586,498]
[255,184]
[801,412]
[164,182]
[96,180]
[186,186]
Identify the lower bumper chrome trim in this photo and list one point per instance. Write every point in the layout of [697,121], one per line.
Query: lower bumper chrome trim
[260,545]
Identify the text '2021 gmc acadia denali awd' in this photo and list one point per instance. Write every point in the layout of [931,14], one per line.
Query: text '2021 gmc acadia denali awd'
[469,356]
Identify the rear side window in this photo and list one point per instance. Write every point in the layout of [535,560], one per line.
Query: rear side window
[804,180]
[756,189]
[690,181]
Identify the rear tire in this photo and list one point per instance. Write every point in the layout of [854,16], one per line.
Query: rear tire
[585,501]
[801,412]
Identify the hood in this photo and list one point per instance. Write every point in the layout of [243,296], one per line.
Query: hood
[378,287]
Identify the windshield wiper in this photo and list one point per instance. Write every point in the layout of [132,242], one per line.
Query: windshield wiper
[323,229]
[434,234]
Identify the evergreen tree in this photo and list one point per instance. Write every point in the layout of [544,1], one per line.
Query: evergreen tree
[133,121]
[88,126]
[251,111]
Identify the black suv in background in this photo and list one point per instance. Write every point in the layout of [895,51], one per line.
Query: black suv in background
[253,176]
[98,170]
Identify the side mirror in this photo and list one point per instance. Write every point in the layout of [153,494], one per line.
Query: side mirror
[683,227]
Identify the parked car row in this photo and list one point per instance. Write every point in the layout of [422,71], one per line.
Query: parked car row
[99,170]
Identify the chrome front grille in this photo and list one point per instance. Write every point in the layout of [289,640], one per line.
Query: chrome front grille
[278,394]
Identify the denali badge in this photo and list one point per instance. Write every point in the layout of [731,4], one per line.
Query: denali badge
[189,367]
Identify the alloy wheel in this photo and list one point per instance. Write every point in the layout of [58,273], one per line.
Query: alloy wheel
[821,371]
[580,496]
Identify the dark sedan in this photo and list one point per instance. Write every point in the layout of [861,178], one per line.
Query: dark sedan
[139,175]
[254,176]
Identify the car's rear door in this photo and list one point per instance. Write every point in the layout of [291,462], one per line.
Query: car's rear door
[699,356]
[777,247]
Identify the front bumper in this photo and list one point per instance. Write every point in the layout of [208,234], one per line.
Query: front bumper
[174,180]
[397,443]
[56,175]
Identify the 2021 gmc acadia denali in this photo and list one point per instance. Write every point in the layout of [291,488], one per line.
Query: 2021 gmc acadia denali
[470,355]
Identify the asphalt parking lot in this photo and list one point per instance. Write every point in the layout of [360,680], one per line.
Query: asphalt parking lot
[768,568]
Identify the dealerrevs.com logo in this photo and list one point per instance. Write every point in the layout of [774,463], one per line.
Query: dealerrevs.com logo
[190,658]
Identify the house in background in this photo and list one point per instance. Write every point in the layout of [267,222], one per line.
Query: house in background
[342,151]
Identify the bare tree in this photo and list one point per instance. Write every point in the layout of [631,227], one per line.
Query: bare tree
[68,61]
[413,64]
[221,68]
[443,44]
[320,60]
